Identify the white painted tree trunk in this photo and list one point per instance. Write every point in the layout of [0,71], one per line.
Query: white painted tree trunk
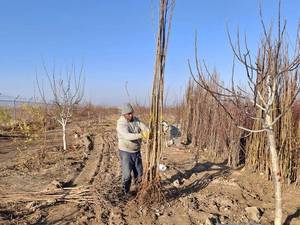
[64,135]
[275,170]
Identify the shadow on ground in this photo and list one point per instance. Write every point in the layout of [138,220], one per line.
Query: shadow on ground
[65,219]
[291,217]
[173,193]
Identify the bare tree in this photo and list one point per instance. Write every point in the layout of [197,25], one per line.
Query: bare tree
[65,95]
[151,189]
[265,77]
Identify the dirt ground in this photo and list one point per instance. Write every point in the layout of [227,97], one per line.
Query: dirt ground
[82,186]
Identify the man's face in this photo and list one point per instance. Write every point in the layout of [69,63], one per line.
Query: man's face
[129,116]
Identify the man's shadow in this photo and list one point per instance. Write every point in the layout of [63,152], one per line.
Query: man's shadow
[199,184]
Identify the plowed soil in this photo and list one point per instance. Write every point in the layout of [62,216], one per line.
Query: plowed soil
[82,186]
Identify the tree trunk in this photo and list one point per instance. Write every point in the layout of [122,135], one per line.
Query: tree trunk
[275,170]
[64,136]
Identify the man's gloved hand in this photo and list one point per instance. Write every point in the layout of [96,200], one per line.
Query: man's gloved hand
[145,135]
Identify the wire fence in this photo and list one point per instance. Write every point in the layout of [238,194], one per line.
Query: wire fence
[11,103]
[11,106]
[15,109]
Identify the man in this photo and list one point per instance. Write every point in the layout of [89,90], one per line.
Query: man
[130,132]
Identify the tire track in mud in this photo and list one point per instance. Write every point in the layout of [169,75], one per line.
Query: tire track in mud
[91,166]
[100,171]
[68,212]
[102,143]
[109,205]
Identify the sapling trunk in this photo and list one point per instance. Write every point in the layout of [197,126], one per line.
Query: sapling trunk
[275,170]
[64,136]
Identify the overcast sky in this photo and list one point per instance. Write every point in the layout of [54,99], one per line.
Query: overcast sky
[115,41]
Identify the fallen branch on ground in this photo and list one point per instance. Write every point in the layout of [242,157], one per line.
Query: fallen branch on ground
[75,194]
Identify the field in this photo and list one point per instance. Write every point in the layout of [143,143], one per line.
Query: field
[82,185]
[224,150]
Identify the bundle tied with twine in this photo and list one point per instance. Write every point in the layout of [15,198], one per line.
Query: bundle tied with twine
[151,188]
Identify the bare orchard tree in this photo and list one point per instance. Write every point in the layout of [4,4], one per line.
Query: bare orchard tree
[266,77]
[66,93]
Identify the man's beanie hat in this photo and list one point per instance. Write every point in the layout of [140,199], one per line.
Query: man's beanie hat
[126,108]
